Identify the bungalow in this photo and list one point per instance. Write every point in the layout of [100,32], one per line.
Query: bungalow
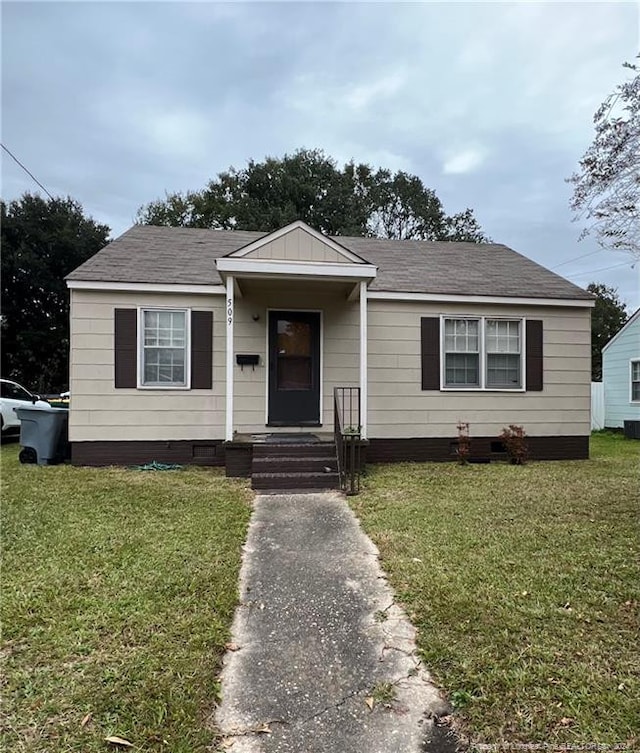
[199,346]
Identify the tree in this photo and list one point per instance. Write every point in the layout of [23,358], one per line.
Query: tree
[309,186]
[607,318]
[42,241]
[606,190]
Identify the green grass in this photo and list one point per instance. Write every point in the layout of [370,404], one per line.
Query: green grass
[118,590]
[524,585]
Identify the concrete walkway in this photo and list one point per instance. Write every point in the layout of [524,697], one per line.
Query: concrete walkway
[324,661]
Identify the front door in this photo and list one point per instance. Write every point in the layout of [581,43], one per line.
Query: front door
[294,368]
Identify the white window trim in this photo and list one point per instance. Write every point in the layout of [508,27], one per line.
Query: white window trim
[182,387]
[483,356]
[631,362]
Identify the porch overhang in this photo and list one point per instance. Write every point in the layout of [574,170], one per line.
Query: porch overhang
[247,268]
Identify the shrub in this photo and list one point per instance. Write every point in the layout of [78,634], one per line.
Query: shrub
[464,443]
[514,440]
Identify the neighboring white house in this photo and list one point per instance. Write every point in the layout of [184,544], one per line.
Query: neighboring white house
[621,375]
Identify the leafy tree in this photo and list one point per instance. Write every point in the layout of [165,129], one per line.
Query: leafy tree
[309,186]
[607,318]
[402,208]
[42,241]
[607,188]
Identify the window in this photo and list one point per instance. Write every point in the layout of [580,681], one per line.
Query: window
[164,340]
[483,353]
[462,353]
[635,381]
[12,391]
[502,343]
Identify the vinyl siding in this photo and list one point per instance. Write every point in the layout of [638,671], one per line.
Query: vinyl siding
[298,246]
[99,411]
[399,408]
[340,348]
[616,375]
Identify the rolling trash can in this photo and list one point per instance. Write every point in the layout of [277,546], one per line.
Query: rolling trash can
[43,434]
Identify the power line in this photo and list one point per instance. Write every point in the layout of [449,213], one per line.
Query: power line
[604,269]
[577,258]
[28,172]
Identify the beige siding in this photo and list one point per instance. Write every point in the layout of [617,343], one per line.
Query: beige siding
[399,408]
[100,412]
[340,348]
[298,245]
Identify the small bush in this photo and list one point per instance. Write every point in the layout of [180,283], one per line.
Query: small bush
[464,443]
[514,439]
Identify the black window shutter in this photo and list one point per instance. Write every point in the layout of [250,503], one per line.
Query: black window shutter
[125,343]
[430,352]
[201,350]
[535,360]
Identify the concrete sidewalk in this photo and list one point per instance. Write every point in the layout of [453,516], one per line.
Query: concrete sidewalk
[325,661]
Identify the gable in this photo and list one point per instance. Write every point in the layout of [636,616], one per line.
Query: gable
[629,334]
[298,242]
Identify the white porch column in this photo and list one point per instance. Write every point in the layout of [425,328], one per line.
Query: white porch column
[229,317]
[363,359]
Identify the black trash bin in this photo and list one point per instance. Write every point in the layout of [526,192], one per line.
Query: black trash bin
[43,434]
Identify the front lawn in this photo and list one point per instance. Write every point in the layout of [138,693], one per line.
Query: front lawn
[118,590]
[524,584]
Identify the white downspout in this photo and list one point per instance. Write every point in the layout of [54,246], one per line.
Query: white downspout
[363,359]
[229,378]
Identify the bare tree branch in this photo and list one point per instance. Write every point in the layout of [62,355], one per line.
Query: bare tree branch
[606,190]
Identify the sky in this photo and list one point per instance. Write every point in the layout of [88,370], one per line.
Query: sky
[490,104]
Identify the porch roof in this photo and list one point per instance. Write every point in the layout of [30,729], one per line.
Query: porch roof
[187,256]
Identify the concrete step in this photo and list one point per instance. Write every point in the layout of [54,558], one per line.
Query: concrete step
[289,481]
[300,464]
[315,449]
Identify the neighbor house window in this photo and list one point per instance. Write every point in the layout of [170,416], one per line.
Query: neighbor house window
[164,360]
[482,353]
[635,381]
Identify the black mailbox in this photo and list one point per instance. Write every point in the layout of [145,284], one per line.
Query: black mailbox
[247,359]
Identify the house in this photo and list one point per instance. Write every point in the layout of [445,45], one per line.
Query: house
[621,376]
[193,345]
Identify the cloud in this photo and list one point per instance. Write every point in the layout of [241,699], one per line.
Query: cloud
[490,104]
[370,93]
[464,161]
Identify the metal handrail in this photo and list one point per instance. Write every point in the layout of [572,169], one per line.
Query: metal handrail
[347,432]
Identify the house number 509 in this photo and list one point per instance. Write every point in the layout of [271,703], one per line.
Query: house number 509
[229,311]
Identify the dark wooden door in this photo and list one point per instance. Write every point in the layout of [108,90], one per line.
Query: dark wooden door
[294,368]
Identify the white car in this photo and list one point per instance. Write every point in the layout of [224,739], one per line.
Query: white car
[12,396]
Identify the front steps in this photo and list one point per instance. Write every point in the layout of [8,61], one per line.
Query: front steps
[292,467]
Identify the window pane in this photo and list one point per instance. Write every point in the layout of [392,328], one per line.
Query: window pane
[461,370]
[294,373]
[294,338]
[635,371]
[164,366]
[635,390]
[503,370]
[461,335]
[502,336]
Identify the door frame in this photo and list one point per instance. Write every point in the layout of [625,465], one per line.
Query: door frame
[268,359]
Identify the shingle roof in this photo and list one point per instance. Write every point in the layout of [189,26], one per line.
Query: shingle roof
[150,254]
